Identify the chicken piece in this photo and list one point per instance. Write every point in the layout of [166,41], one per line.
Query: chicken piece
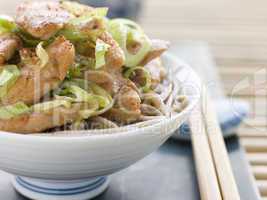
[110,76]
[115,56]
[128,99]
[103,79]
[148,110]
[75,8]
[156,70]
[158,47]
[39,121]
[99,122]
[41,19]
[8,45]
[35,82]
[127,106]
[154,100]
[121,117]
[111,81]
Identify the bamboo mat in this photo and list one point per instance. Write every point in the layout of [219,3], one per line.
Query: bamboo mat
[236,31]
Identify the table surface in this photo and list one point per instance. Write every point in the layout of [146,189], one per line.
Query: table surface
[165,174]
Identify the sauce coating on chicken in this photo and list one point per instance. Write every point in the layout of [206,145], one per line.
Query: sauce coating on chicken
[8,45]
[41,19]
[34,81]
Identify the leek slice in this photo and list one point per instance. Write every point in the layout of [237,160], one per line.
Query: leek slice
[42,55]
[96,98]
[8,112]
[8,77]
[79,9]
[100,11]
[74,30]
[147,85]
[93,88]
[74,72]
[92,101]
[72,34]
[6,26]
[73,7]
[82,95]
[100,50]
[85,62]
[129,34]
[109,102]
[49,105]
[129,23]
[28,40]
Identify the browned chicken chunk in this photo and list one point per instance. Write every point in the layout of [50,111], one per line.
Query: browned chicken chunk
[158,47]
[156,70]
[110,78]
[41,19]
[35,81]
[127,106]
[40,121]
[75,8]
[115,55]
[8,45]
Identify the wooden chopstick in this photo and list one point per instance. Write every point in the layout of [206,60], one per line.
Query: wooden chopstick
[221,161]
[207,179]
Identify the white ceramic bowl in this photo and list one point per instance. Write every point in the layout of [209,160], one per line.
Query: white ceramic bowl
[82,156]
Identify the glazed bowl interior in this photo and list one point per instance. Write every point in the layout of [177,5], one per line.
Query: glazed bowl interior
[85,154]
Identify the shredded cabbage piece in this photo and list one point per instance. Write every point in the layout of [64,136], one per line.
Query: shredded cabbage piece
[42,55]
[10,111]
[100,50]
[131,39]
[8,77]
[130,71]
[49,105]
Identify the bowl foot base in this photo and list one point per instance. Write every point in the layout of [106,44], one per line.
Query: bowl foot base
[41,189]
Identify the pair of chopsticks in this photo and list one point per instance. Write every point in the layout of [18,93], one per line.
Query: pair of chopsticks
[215,176]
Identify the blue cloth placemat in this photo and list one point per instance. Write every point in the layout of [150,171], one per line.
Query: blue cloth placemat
[231,114]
